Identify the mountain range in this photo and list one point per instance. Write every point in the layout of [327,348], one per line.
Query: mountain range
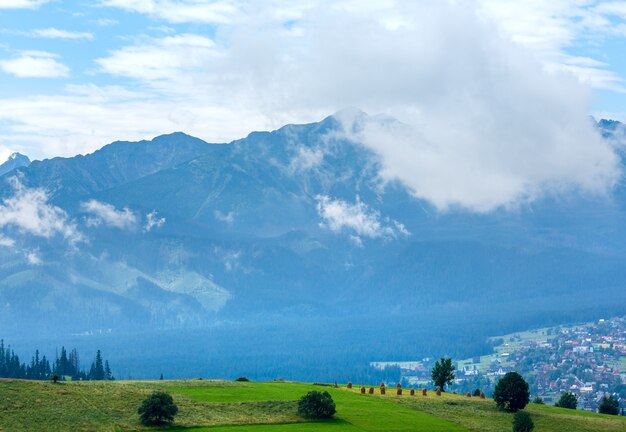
[295,229]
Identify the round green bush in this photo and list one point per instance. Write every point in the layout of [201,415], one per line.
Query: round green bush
[316,405]
[158,409]
[567,400]
[522,422]
[609,405]
[511,393]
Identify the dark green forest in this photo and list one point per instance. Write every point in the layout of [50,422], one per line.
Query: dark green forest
[65,366]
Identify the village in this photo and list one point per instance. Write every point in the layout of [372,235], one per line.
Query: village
[588,360]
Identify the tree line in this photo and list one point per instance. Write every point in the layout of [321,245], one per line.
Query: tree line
[66,366]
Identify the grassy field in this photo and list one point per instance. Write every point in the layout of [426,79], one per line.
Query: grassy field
[236,407]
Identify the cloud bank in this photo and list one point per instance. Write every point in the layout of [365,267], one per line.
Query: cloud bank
[503,164]
[494,107]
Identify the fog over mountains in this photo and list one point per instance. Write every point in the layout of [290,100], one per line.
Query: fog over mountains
[291,227]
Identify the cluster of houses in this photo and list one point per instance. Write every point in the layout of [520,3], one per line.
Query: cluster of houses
[588,360]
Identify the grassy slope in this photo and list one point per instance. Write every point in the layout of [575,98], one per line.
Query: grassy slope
[259,407]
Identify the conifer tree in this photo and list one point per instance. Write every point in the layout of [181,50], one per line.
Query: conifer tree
[107,371]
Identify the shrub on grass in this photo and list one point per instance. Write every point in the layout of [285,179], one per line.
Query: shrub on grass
[609,405]
[55,378]
[316,405]
[412,392]
[476,392]
[349,384]
[243,379]
[522,422]
[158,409]
[482,395]
[424,392]
[511,393]
[362,390]
[567,400]
[538,400]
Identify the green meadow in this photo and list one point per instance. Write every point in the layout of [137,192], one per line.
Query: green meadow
[217,406]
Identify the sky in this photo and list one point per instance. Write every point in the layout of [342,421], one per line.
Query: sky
[495,94]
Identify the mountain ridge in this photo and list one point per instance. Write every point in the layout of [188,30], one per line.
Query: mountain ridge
[290,226]
[14,161]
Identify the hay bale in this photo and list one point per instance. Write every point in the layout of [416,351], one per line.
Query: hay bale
[438,392]
[349,384]
[382,390]
[482,395]
[424,392]
[362,390]
[399,391]
[412,392]
[371,390]
[468,394]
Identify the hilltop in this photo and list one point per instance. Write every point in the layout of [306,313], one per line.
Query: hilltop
[105,406]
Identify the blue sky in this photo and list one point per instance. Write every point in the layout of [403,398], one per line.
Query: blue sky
[76,75]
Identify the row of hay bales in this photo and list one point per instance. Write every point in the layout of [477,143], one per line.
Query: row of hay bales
[383,390]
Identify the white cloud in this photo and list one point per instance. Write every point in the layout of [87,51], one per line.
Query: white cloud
[6,241]
[5,152]
[109,215]
[64,125]
[153,221]
[357,219]
[501,164]
[54,33]
[29,211]
[474,81]
[231,259]
[228,218]
[106,22]
[34,64]
[181,11]
[306,159]
[170,63]
[33,258]
[550,28]
[612,8]
[21,4]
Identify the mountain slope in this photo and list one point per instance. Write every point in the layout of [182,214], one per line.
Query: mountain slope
[293,227]
[16,160]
